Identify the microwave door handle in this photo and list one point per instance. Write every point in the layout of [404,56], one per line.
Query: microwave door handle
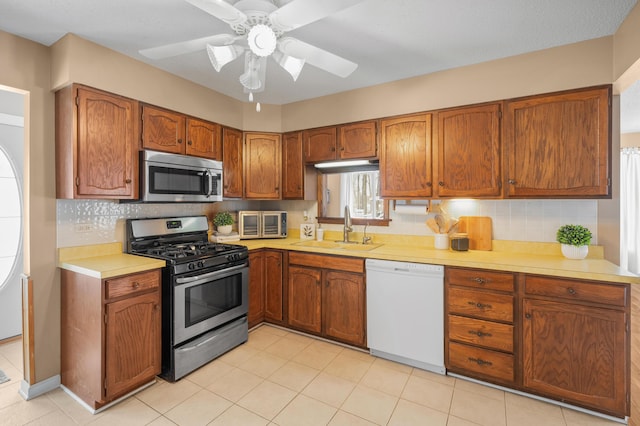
[210,177]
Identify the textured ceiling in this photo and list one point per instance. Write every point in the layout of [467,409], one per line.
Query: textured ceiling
[389,40]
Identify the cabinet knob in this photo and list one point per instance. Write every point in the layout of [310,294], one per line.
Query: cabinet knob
[179,140]
[478,280]
[480,305]
[512,181]
[479,333]
[135,284]
[127,181]
[189,143]
[441,183]
[571,291]
[527,315]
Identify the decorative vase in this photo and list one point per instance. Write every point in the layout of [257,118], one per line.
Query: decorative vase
[574,252]
[224,229]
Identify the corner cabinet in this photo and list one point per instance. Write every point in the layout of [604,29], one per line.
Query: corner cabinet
[262,166]
[345,142]
[266,287]
[232,172]
[170,131]
[576,342]
[96,144]
[405,157]
[110,342]
[468,152]
[327,296]
[558,145]
[292,167]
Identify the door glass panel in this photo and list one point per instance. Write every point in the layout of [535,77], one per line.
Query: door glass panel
[207,300]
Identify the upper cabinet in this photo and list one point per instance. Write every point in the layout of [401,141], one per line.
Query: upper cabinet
[344,142]
[262,166]
[232,172]
[405,156]
[292,166]
[169,131]
[558,145]
[96,144]
[468,152]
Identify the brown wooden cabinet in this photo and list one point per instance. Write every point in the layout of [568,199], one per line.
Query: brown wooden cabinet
[405,157]
[480,327]
[468,146]
[256,288]
[110,343]
[262,166]
[266,289]
[232,170]
[558,145]
[576,342]
[292,167]
[344,142]
[326,296]
[171,131]
[96,144]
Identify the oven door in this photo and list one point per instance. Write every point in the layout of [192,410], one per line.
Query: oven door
[207,300]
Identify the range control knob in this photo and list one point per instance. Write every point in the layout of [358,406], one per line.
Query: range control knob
[200,264]
[192,266]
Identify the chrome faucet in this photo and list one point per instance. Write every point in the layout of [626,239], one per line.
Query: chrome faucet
[365,239]
[347,224]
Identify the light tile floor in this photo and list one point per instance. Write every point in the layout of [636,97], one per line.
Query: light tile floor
[283,378]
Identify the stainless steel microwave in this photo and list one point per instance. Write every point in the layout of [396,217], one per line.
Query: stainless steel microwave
[174,178]
[262,224]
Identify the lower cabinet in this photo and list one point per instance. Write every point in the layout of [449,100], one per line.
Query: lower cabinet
[265,287]
[110,342]
[327,296]
[563,339]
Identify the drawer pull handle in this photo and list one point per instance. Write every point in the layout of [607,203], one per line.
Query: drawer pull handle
[571,290]
[480,361]
[478,280]
[527,315]
[480,305]
[479,333]
[135,284]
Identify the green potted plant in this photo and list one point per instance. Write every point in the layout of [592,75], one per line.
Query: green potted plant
[223,222]
[574,240]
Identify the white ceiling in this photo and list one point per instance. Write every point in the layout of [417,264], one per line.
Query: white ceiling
[389,39]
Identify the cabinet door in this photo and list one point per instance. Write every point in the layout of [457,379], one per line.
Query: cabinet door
[163,130]
[256,288]
[576,353]
[232,163]
[292,166]
[106,145]
[132,347]
[357,140]
[305,298]
[559,145]
[405,157]
[262,166]
[319,144]
[203,139]
[273,308]
[469,152]
[344,307]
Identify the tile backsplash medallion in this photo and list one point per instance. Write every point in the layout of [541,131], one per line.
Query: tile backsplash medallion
[84,222]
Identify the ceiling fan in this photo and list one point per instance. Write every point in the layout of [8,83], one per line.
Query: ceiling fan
[259,26]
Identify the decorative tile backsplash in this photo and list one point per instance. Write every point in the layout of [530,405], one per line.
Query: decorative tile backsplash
[83,222]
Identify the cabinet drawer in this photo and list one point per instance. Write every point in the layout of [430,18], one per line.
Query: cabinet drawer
[483,333]
[130,284]
[340,263]
[482,361]
[478,278]
[481,304]
[586,291]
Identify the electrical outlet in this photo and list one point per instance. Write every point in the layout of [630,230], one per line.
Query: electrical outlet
[82,227]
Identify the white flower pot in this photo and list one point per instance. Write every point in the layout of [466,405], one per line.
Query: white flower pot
[574,252]
[224,229]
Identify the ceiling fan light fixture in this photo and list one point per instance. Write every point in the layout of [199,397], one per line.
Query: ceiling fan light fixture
[250,79]
[290,64]
[262,40]
[222,55]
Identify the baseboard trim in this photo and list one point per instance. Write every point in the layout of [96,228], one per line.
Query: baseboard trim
[28,391]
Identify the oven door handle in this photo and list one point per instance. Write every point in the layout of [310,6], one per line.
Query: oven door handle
[195,278]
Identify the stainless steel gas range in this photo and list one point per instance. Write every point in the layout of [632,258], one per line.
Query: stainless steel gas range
[204,290]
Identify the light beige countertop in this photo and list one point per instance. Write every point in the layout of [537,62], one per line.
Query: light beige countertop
[104,261]
[515,256]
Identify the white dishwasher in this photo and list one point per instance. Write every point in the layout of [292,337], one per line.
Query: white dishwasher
[405,313]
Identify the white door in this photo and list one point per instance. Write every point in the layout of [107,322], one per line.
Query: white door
[11,178]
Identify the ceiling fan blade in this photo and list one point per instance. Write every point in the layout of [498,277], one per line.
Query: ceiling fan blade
[302,12]
[175,49]
[317,57]
[221,10]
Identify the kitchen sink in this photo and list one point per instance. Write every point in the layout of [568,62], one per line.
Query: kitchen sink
[353,246]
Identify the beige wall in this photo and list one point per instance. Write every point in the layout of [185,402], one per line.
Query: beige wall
[630,140]
[25,65]
[626,46]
